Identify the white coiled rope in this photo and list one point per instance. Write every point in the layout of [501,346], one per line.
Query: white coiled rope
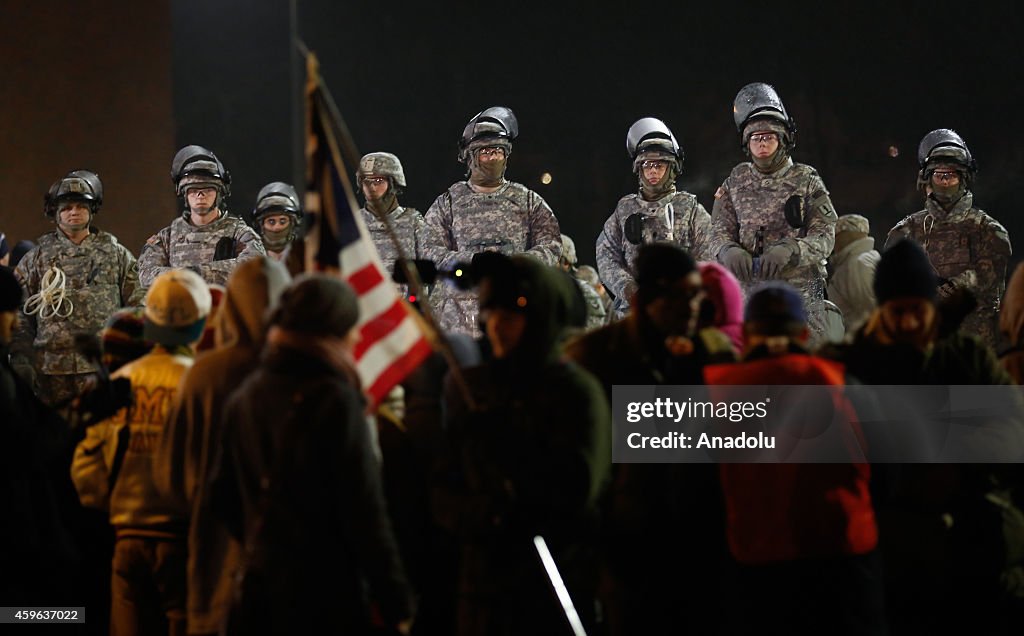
[51,300]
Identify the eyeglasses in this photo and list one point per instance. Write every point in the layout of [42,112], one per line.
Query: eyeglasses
[492,152]
[951,176]
[654,165]
[764,138]
[375,180]
[200,191]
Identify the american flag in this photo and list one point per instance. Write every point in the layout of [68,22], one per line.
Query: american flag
[393,338]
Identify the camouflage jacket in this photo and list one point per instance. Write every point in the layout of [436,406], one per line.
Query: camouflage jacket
[461,223]
[100,278]
[597,316]
[182,244]
[409,227]
[968,249]
[748,200]
[616,256]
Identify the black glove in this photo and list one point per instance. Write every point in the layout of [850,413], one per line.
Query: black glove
[225,250]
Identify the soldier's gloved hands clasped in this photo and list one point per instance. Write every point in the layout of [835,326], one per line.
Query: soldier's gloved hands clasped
[775,259]
[739,262]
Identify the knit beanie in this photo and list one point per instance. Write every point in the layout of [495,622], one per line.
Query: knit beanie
[658,266]
[317,305]
[904,271]
[122,340]
[775,305]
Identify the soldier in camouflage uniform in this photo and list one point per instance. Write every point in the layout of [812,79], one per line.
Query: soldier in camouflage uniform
[486,213]
[658,212]
[205,238]
[773,218]
[75,278]
[596,314]
[277,217]
[968,248]
[381,178]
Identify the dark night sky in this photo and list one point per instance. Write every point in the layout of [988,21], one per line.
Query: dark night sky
[856,82]
[407,78]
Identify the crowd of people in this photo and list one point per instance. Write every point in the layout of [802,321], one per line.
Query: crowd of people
[194,452]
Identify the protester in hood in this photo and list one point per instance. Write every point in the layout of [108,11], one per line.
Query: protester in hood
[533,458]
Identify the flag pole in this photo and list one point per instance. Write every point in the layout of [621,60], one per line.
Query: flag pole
[435,335]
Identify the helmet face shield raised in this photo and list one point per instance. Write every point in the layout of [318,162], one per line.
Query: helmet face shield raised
[759,100]
[650,135]
[78,185]
[195,166]
[497,126]
[945,145]
[276,198]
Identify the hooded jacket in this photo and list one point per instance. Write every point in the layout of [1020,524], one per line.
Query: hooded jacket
[850,282]
[726,295]
[186,452]
[781,512]
[534,459]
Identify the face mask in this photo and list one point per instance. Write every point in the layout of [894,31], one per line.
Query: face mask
[660,189]
[383,205]
[277,240]
[947,195]
[487,174]
[772,163]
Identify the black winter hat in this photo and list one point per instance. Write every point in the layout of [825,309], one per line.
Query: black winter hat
[904,271]
[775,303]
[317,305]
[658,265]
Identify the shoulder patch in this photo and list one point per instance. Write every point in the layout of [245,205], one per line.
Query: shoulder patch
[153,240]
[720,192]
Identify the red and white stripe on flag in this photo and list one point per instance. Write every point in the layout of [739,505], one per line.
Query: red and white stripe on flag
[392,338]
[391,343]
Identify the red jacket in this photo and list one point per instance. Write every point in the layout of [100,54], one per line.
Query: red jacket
[781,512]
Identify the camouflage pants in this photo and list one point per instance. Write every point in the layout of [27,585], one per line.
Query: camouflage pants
[57,390]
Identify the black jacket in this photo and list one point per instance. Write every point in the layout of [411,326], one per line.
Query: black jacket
[299,484]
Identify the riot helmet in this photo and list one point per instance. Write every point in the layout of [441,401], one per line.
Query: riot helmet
[760,101]
[77,185]
[495,126]
[383,164]
[650,135]
[945,147]
[274,199]
[195,166]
